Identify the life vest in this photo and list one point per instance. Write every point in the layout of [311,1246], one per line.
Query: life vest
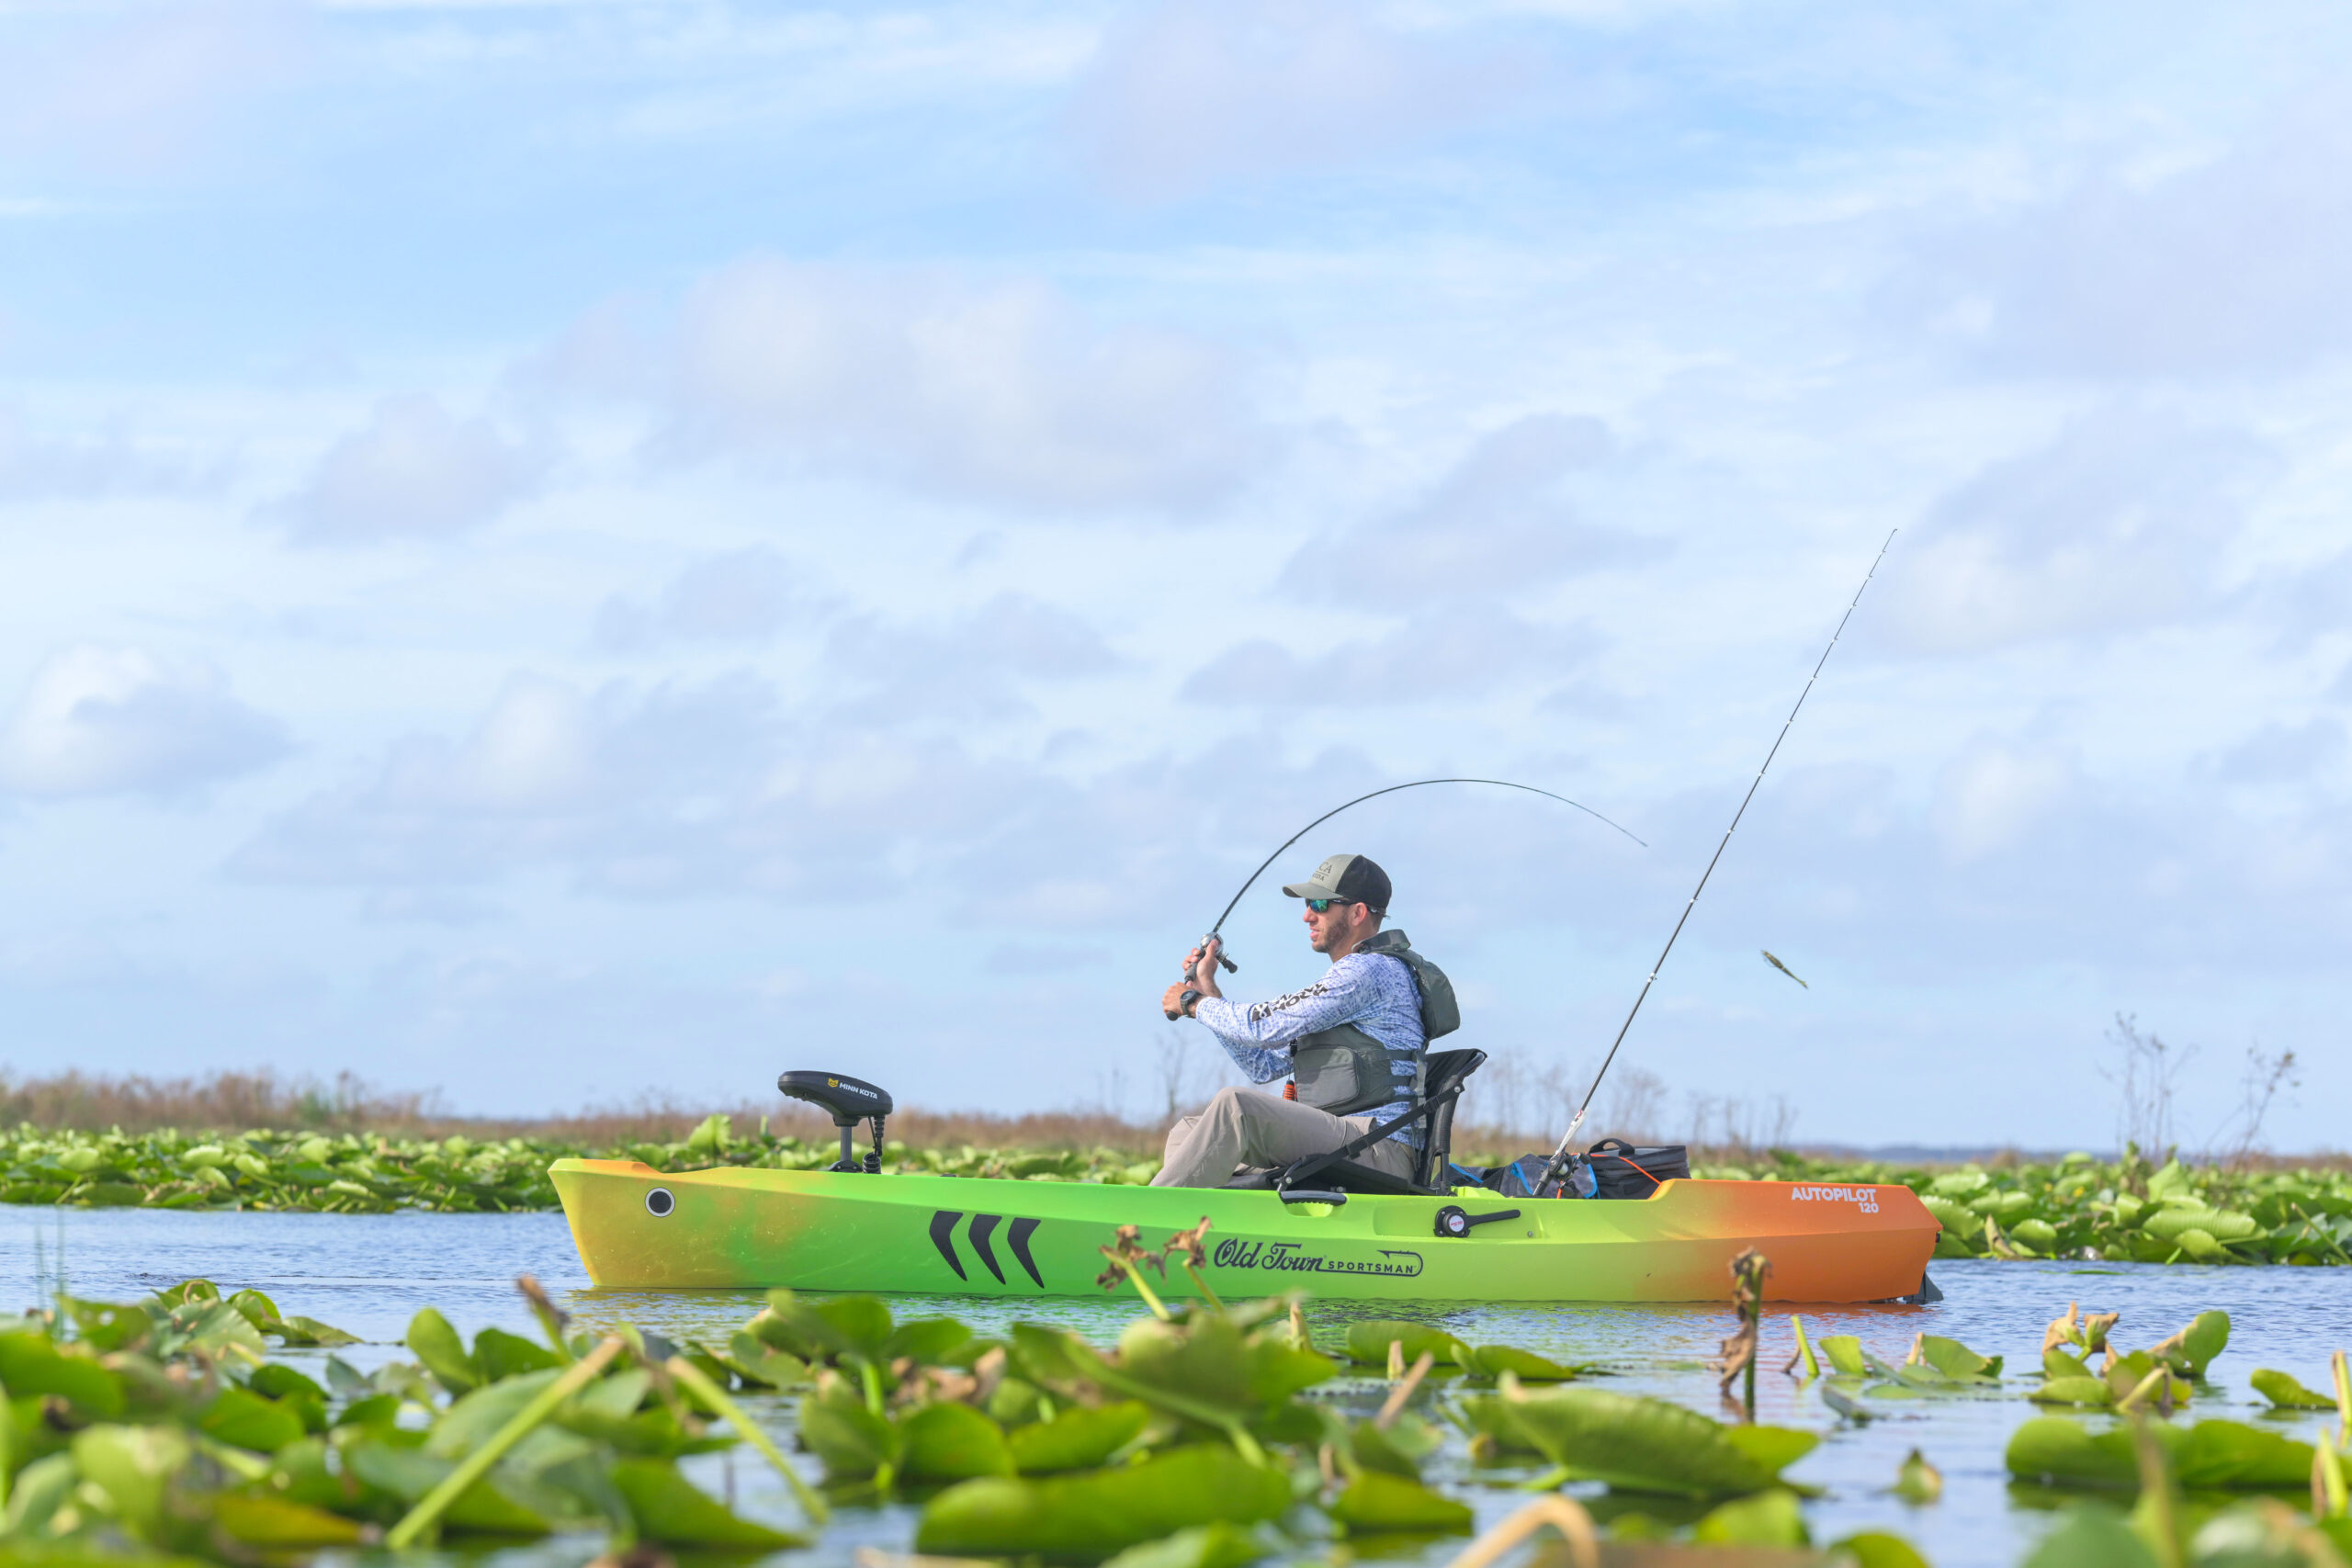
[1347,1072]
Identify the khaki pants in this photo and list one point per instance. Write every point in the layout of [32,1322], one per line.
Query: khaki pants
[1243,1126]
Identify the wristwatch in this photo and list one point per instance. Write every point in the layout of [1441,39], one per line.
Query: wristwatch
[1187,1001]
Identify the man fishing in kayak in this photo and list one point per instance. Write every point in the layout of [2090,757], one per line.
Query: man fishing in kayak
[1353,1041]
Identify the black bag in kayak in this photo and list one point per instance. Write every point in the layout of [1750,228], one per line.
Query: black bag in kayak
[1622,1170]
[1516,1179]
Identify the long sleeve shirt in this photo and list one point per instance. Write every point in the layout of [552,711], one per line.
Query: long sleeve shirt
[1372,991]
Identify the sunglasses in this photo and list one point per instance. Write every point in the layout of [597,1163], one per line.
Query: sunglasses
[1323,906]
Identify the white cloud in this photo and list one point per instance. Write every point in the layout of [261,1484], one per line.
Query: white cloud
[1004,393]
[1466,650]
[413,471]
[104,720]
[1498,520]
[2118,523]
[744,595]
[971,666]
[2237,264]
[34,465]
[1991,796]
[2280,752]
[1188,93]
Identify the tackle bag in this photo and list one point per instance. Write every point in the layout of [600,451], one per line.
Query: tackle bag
[1622,1170]
[1521,1176]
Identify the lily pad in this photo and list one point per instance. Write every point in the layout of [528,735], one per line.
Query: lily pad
[1843,1353]
[1377,1502]
[838,1427]
[1647,1445]
[668,1508]
[244,1419]
[952,1442]
[435,1344]
[1203,1546]
[1088,1516]
[2192,1349]
[1078,1439]
[1367,1343]
[1769,1518]
[2285,1394]
[2211,1455]
[1493,1360]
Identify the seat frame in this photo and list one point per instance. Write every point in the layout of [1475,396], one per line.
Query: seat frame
[1320,1177]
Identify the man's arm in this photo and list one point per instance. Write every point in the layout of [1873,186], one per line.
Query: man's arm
[1343,994]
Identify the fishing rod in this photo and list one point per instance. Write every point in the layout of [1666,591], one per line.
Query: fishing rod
[1560,1156]
[1232,968]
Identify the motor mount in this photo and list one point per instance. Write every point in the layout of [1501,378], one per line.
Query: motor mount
[848,1101]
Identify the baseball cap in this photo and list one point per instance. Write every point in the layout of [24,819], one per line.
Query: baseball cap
[1352,879]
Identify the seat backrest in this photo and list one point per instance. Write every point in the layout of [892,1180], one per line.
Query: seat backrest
[1445,1074]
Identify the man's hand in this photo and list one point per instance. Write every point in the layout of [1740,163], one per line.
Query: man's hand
[1171,1002]
[1200,964]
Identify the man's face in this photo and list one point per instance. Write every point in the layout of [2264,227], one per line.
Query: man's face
[1337,926]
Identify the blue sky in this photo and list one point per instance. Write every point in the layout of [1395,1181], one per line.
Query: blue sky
[558,550]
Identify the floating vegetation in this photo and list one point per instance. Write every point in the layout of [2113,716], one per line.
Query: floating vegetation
[2076,1208]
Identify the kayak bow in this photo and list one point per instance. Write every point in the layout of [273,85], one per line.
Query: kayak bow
[743,1228]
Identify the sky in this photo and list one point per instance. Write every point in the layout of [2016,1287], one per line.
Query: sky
[561,550]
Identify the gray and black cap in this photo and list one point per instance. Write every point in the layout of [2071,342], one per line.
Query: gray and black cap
[1350,879]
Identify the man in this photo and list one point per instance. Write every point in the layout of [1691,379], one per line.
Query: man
[1353,1041]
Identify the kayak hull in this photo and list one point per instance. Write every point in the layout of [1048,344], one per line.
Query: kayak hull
[738,1227]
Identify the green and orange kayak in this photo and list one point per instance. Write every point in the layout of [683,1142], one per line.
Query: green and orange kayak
[636,1227]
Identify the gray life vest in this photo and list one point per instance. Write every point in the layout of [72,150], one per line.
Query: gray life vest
[1347,1072]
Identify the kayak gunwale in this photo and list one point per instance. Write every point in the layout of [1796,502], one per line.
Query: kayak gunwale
[929,1233]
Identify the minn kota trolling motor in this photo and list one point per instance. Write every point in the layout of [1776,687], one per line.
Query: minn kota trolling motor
[848,1101]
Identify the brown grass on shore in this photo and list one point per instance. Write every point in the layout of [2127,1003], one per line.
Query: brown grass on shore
[236,1102]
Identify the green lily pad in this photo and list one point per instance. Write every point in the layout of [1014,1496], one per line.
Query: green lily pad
[1218,1545]
[1377,1502]
[2285,1394]
[281,1523]
[435,1343]
[498,1354]
[952,1442]
[2193,1349]
[1209,1358]
[1493,1360]
[1088,1516]
[408,1473]
[2092,1538]
[134,1466]
[839,1429]
[1647,1445]
[1078,1439]
[1769,1518]
[668,1508]
[2212,1455]
[2073,1391]
[29,1363]
[1367,1343]
[1879,1549]
[928,1341]
[244,1419]
[1844,1353]
[1957,1361]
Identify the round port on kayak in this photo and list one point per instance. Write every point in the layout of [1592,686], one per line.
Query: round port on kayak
[1453,1222]
[659,1204]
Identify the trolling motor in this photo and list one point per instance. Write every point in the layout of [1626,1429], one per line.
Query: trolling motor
[848,1101]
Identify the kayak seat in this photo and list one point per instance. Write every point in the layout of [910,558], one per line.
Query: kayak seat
[1443,1073]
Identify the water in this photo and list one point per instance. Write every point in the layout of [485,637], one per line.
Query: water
[370,1273]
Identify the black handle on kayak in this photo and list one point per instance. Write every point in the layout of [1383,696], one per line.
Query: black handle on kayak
[1309,1195]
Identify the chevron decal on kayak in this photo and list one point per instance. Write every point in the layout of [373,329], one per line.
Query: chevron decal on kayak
[983,1226]
[982,1235]
[1019,1237]
[942,1236]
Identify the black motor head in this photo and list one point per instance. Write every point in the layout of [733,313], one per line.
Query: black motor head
[846,1100]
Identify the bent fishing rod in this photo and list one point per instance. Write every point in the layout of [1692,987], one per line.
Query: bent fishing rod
[1231,967]
[1559,1160]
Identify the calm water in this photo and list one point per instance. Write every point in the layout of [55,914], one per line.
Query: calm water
[370,1273]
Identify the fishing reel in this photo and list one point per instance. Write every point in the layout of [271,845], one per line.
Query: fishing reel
[1228,964]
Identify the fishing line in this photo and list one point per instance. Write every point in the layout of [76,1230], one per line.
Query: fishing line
[1231,967]
[1560,1156]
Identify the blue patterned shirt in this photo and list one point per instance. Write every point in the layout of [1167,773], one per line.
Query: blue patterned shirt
[1372,991]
